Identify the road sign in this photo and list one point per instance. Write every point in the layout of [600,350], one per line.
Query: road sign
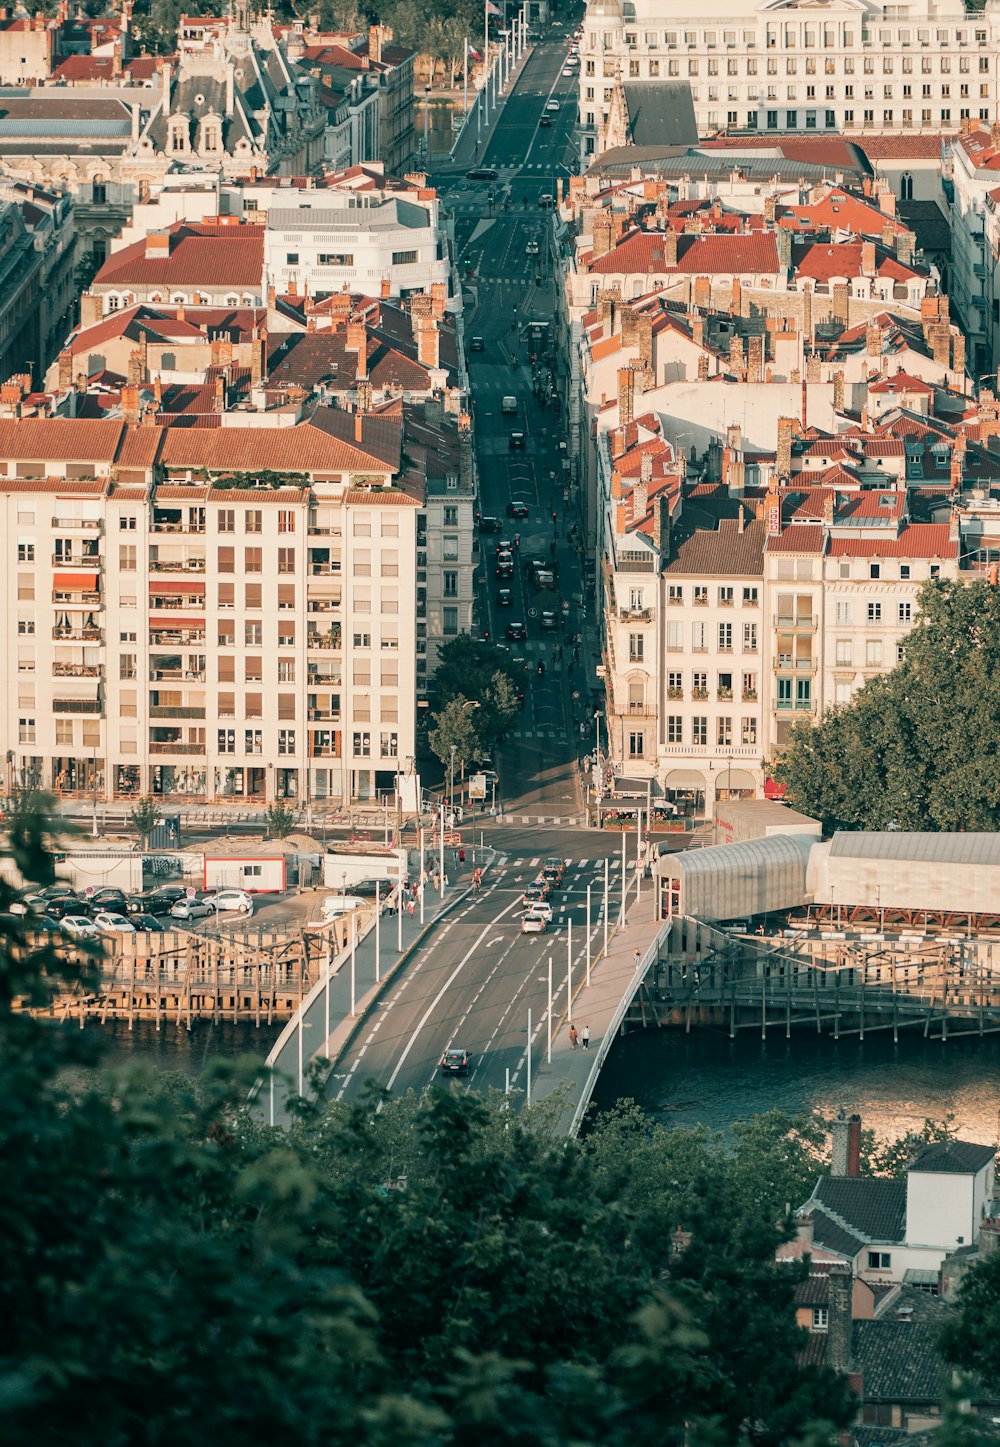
[477,786]
[190,893]
[90,891]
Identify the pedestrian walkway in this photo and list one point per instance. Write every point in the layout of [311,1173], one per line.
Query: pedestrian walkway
[474,142]
[598,1007]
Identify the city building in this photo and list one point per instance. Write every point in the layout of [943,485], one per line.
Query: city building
[37,291]
[791,68]
[219,262]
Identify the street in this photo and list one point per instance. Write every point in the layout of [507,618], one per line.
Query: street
[502,249]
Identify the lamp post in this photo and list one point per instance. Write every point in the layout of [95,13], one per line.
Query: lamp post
[599,786]
[427,120]
[451,782]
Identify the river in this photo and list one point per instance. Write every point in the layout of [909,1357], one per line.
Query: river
[705,1077]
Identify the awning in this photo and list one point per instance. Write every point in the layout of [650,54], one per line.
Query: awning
[639,788]
[76,582]
[774,790]
[175,620]
[684,779]
[174,587]
[736,779]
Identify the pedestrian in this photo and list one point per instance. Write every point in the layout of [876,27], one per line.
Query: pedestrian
[461,856]
[411,906]
[585,1037]
[444,880]
[573,1037]
[436,880]
[638,958]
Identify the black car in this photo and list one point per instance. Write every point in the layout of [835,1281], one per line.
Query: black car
[490,525]
[517,509]
[517,442]
[482,173]
[477,345]
[170,893]
[107,898]
[505,598]
[455,1062]
[148,923]
[504,570]
[548,620]
[151,903]
[57,906]
[516,632]
[545,121]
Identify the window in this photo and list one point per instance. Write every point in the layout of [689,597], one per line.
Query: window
[389,745]
[842,694]
[750,638]
[874,570]
[286,741]
[675,593]
[450,553]
[362,745]
[699,729]
[750,596]
[126,557]
[675,728]
[725,638]
[748,731]
[25,626]
[724,731]
[25,552]
[449,621]
[905,612]
[286,521]
[636,744]
[879,1261]
[226,741]
[725,597]
[405,258]
[821,1318]
[286,670]
[286,560]
[636,644]
[845,611]
[873,653]
[253,740]
[450,517]
[336,258]
[803,693]
[227,519]
[253,560]
[291,258]
[450,583]
[253,520]
[874,612]
[127,522]
[26,730]
[675,637]
[845,653]
[126,665]
[700,596]
[253,634]
[362,640]
[699,637]
[784,693]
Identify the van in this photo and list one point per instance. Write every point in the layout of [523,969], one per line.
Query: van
[544,578]
[337,904]
[508,406]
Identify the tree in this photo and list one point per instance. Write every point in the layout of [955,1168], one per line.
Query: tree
[144,816]
[454,729]
[913,749]
[280,819]
[473,669]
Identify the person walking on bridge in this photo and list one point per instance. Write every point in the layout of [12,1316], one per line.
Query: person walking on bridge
[573,1037]
[585,1037]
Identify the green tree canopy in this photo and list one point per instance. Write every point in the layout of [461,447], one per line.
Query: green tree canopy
[474,669]
[454,728]
[914,748]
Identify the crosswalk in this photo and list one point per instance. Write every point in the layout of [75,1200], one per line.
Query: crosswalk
[563,821]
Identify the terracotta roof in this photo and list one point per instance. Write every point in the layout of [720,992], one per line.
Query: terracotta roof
[642,251]
[722,552]
[838,211]
[305,448]
[389,497]
[823,262]
[139,447]
[36,439]
[62,486]
[918,540]
[799,538]
[900,148]
[200,255]
[901,382]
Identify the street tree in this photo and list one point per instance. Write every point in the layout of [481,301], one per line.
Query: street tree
[144,816]
[913,749]
[280,820]
[467,667]
[454,729]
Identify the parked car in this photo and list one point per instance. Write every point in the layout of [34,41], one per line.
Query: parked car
[107,900]
[547,620]
[551,105]
[147,924]
[170,892]
[476,345]
[546,201]
[531,249]
[60,905]
[152,903]
[338,904]
[110,923]
[196,908]
[517,509]
[455,1062]
[230,901]
[78,926]
[534,924]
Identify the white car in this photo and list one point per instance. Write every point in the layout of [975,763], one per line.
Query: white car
[567,70]
[337,904]
[551,105]
[534,924]
[540,907]
[113,924]
[78,926]
[531,249]
[228,901]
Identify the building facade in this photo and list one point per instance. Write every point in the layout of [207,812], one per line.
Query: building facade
[847,66]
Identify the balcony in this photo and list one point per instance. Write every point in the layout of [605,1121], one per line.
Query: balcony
[184,565]
[783,663]
[324,715]
[86,525]
[77,670]
[324,605]
[326,751]
[176,602]
[635,615]
[318,680]
[172,525]
[801,622]
[161,710]
[176,747]
[176,675]
[77,635]
[77,705]
[325,570]
[90,563]
[329,640]
[70,598]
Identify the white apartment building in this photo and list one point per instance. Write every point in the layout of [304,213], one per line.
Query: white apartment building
[975,235]
[850,65]
[172,625]
[321,247]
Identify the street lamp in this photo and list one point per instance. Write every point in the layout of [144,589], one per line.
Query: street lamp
[599,790]
[427,114]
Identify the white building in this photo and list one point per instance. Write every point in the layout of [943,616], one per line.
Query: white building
[849,66]
[321,248]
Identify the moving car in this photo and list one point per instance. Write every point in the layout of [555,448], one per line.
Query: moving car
[542,907]
[546,201]
[197,908]
[508,406]
[481,173]
[477,345]
[567,70]
[490,525]
[547,620]
[108,899]
[504,570]
[505,598]
[505,546]
[228,901]
[534,924]
[531,249]
[110,923]
[517,509]
[553,875]
[551,105]
[455,1062]
[78,926]
[545,121]
[150,904]
[534,895]
[516,442]
[554,862]
[516,632]
[544,578]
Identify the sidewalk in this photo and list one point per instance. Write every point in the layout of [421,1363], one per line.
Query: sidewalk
[613,982]
[473,144]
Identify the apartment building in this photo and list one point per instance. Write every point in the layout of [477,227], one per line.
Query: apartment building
[210,613]
[797,68]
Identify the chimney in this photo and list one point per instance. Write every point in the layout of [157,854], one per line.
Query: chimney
[841,302]
[644,340]
[783,460]
[784,242]
[670,248]
[887,201]
[702,367]
[770,209]
[854,1146]
[466,475]
[65,370]
[814,368]
[157,246]
[385,290]
[703,291]
[134,367]
[116,58]
[219,398]
[640,499]
[828,510]
[737,365]
[606,311]
[626,404]
[602,235]
[846,1137]
[439,295]
[359,427]
[772,512]
[755,359]
[630,326]
[867,258]
[839,1329]
[258,359]
[364,396]
[958,356]
[91,309]
[697,325]
[130,404]
[838,391]
[940,340]
[873,340]
[736,301]
[559,192]
[375,44]
[428,343]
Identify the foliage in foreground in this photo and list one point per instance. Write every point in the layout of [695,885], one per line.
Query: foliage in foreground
[914,747]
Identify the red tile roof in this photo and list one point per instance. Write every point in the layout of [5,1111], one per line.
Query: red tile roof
[35,439]
[901,382]
[200,255]
[642,252]
[278,449]
[799,538]
[918,540]
[900,148]
[838,212]
[823,262]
